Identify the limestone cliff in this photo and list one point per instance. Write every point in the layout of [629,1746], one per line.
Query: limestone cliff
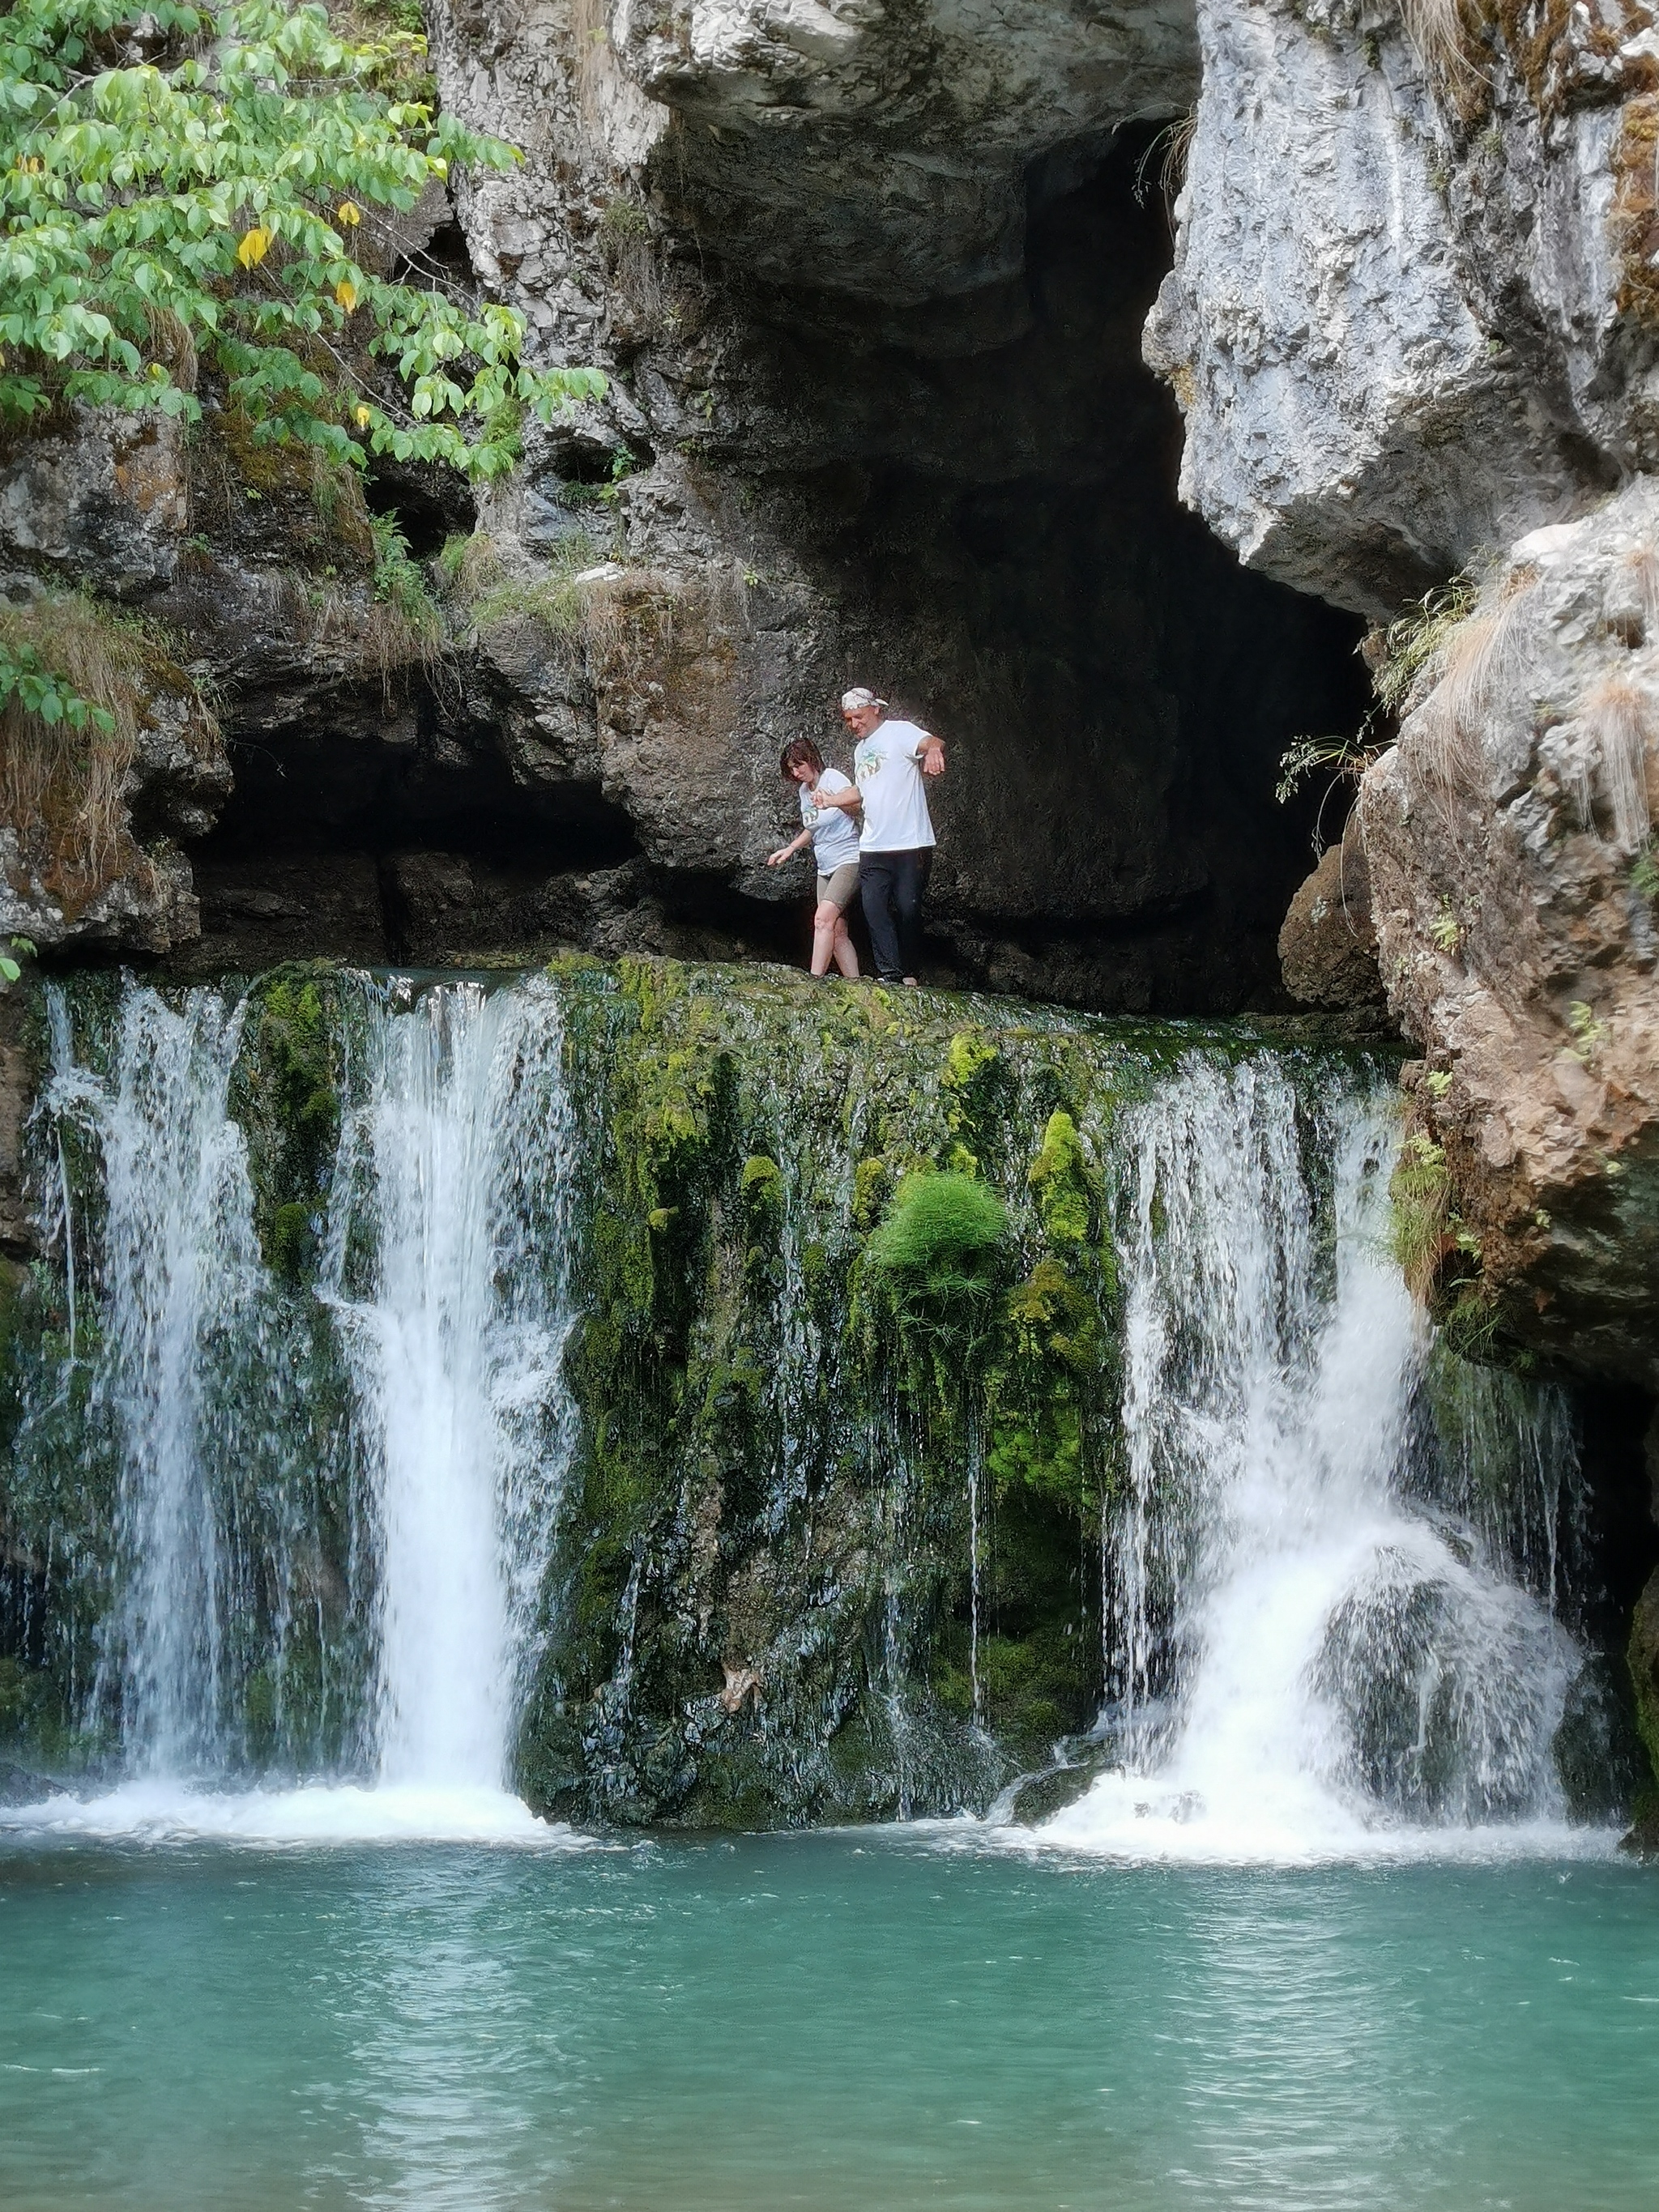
[869,294]
[869,287]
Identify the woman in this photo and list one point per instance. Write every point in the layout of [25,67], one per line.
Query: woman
[834,836]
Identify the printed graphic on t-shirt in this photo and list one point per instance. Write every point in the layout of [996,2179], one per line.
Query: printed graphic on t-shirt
[896,818]
[835,833]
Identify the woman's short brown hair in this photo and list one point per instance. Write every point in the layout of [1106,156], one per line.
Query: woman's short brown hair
[801,752]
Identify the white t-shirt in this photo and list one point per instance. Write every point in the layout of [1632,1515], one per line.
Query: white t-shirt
[835,833]
[890,784]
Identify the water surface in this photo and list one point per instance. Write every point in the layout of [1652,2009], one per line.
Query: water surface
[842,2023]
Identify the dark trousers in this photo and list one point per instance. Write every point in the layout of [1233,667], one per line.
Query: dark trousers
[891,885]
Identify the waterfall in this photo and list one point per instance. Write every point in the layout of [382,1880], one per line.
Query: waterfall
[442,1288]
[456,1162]
[180,1278]
[296,1432]
[1315,1647]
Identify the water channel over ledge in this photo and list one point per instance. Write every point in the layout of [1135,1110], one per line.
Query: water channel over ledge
[316,1492]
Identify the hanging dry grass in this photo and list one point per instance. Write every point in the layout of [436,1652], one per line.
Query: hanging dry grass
[172,344]
[606,620]
[62,790]
[1618,718]
[1444,35]
[1641,568]
[291,491]
[1479,659]
[1165,162]
[390,637]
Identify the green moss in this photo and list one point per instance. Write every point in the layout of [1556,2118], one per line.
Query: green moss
[1061,1183]
[285,1096]
[13,1278]
[975,1092]
[36,1724]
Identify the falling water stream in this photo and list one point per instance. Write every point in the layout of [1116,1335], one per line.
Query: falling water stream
[457,1155]
[1313,1646]
[1290,1572]
[444,1251]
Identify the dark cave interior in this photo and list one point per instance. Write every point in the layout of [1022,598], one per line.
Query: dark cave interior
[995,509]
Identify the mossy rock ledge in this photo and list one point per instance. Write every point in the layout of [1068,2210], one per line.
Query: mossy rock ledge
[846,1343]
[838,1249]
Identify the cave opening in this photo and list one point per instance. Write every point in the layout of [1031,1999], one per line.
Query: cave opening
[992,501]
[980,490]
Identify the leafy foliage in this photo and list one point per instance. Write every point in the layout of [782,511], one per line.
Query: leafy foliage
[1419,1195]
[1408,646]
[1590,1034]
[9,969]
[1344,756]
[189,185]
[42,692]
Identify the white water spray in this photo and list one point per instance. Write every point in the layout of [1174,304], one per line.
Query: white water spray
[180,1271]
[443,1267]
[1308,1664]
[455,1167]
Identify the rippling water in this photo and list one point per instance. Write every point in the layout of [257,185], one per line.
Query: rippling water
[848,2024]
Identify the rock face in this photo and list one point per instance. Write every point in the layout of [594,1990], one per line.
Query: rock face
[1508,833]
[1411,314]
[871,294]
[101,505]
[850,149]
[1327,947]
[868,288]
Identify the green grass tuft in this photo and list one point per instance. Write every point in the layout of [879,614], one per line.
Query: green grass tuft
[942,1244]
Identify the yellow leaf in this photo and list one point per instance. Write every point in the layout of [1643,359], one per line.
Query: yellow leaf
[256,244]
[350,212]
[346,293]
[362,417]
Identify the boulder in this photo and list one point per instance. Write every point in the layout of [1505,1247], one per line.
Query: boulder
[1327,947]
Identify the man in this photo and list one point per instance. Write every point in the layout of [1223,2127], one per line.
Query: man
[889,759]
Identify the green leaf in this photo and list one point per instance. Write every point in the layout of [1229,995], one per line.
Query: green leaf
[127,196]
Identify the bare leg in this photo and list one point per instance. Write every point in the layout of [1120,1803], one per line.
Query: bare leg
[846,958]
[826,920]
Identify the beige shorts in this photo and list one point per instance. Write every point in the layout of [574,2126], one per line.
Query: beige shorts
[841,887]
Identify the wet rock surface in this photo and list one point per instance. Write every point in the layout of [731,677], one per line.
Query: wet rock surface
[19,1787]
[1507,833]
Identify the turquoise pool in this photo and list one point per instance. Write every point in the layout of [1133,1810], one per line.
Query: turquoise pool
[842,2023]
